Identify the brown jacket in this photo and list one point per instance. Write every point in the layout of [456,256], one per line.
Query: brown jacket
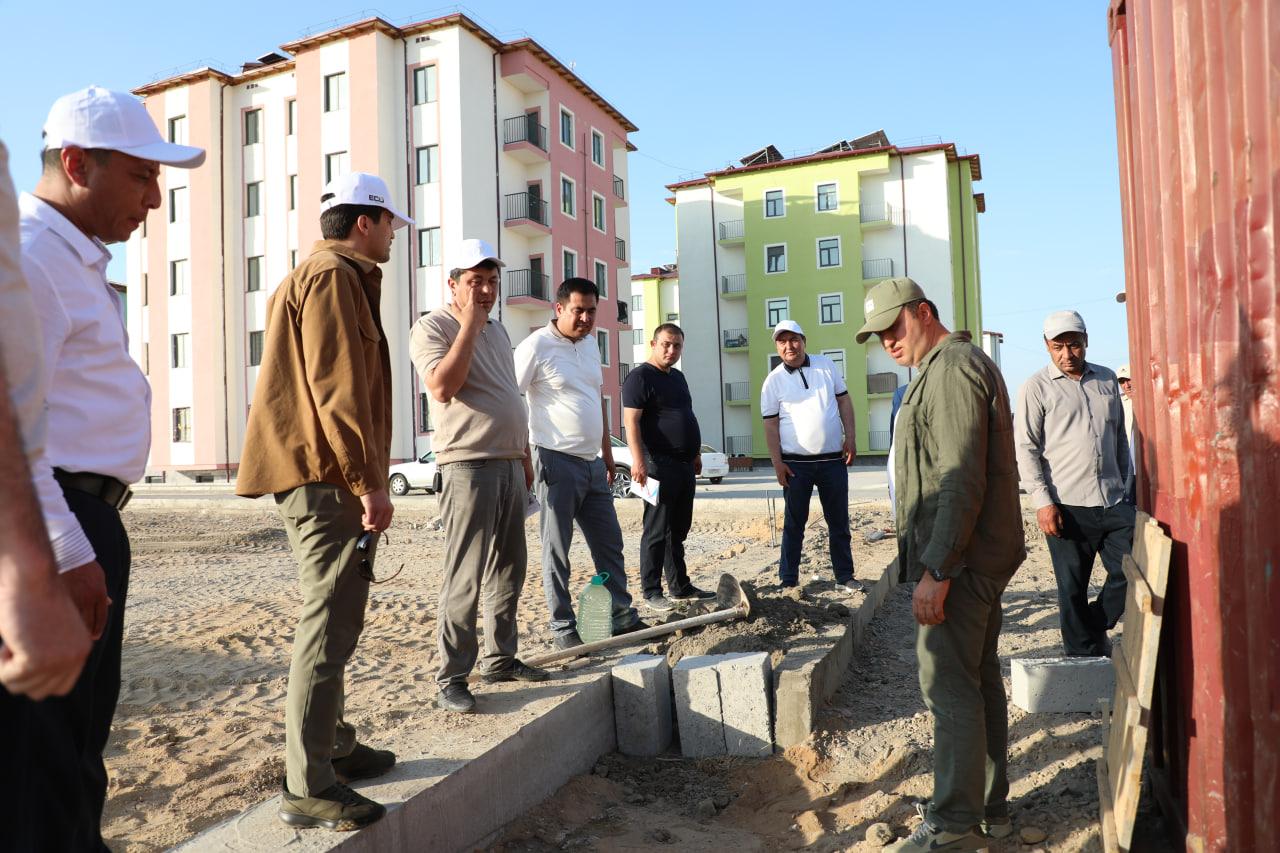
[322,407]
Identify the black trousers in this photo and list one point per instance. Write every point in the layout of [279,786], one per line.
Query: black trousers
[1089,532]
[52,779]
[665,528]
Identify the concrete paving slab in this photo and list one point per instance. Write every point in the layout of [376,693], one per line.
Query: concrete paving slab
[1061,684]
[697,697]
[642,704]
[746,692]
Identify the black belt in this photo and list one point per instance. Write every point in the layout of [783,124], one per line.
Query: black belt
[109,490]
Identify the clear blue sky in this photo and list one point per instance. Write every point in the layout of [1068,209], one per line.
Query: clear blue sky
[1026,87]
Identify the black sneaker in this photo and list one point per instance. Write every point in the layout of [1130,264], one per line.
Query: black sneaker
[638,625]
[336,807]
[455,697]
[518,671]
[660,603]
[364,762]
[691,592]
[568,641]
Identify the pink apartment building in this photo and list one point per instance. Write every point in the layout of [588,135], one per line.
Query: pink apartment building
[477,137]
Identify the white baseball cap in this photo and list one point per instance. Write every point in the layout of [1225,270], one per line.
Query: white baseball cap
[1061,322]
[117,121]
[1123,372]
[787,326]
[472,253]
[363,189]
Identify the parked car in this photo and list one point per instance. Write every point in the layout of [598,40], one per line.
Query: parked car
[715,466]
[420,474]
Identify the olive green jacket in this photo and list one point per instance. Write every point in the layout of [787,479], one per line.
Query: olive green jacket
[955,474]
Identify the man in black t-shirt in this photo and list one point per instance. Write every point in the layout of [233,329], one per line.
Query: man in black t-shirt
[665,441]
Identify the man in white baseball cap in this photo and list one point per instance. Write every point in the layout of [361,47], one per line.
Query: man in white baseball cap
[102,160]
[319,441]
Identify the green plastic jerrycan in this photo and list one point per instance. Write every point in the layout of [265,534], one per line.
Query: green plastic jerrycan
[595,611]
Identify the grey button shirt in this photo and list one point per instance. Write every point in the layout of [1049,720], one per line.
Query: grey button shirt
[1070,438]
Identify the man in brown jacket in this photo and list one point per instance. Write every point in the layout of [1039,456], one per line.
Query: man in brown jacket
[319,440]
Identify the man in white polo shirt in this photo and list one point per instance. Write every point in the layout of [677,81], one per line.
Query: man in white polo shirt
[102,159]
[558,369]
[808,425]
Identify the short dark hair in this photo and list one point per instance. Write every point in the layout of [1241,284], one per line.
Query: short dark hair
[585,286]
[488,265]
[51,158]
[336,222]
[668,327]
[932,308]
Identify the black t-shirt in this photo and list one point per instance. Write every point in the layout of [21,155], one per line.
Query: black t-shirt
[667,424]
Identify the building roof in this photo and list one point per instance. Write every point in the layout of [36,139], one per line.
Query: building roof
[837,153]
[377,24]
[663,272]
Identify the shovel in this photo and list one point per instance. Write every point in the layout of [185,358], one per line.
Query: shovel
[731,603]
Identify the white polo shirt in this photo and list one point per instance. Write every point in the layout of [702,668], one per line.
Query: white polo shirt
[804,400]
[561,381]
[99,402]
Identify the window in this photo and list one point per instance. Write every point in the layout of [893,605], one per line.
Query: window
[291,116]
[253,198]
[335,92]
[570,263]
[774,204]
[673,318]
[774,361]
[178,130]
[293,259]
[253,274]
[428,247]
[566,127]
[178,204]
[775,258]
[424,413]
[830,308]
[255,348]
[252,127]
[146,358]
[567,205]
[602,338]
[597,211]
[178,282]
[293,192]
[428,164]
[827,197]
[597,148]
[602,278]
[335,165]
[146,290]
[424,84]
[837,356]
[144,229]
[828,252]
[180,347]
[182,425]
[637,302]
[776,310]
[637,337]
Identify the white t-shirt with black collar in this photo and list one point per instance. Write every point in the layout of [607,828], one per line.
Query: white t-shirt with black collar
[805,399]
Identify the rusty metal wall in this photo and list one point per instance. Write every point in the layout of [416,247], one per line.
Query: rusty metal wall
[1197,87]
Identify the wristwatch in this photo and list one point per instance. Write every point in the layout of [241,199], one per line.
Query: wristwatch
[937,574]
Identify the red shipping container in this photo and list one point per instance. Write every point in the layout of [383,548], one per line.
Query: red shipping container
[1197,87]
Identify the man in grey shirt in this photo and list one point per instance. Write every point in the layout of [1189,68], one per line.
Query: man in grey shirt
[1073,458]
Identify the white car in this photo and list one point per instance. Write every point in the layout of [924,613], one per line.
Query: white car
[421,474]
[715,466]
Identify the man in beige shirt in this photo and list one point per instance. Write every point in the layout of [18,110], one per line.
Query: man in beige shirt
[481,442]
[319,440]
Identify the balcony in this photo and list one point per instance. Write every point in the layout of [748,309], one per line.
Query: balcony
[737,445]
[620,248]
[874,268]
[735,339]
[733,231]
[875,215]
[624,314]
[733,286]
[882,383]
[623,370]
[524,139]
[878,439]
[737,394]
[619,189]
[527,214]
[529,287]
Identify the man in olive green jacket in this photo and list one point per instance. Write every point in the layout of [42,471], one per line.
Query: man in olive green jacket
[960,540]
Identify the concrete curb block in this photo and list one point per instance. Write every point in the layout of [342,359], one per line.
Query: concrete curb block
[805,679]
[1061,684]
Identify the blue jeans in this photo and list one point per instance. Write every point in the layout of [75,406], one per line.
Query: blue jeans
[832,479]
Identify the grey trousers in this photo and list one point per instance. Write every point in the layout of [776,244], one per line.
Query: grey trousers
[483,510]
[960,680]
[323,524]
[574,489]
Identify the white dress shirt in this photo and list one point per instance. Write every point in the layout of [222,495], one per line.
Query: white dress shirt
[561,379]
[99,403]
[805,400]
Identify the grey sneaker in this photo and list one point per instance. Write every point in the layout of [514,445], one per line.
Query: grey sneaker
[455,697]
[996,827]
[930,839]
[695,594]
[336,807]
[518,671]
[660,603]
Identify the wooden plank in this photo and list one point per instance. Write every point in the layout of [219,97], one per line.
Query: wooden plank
[1106,812]
[1141,591]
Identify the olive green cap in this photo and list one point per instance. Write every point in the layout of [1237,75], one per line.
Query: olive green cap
[883,302]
